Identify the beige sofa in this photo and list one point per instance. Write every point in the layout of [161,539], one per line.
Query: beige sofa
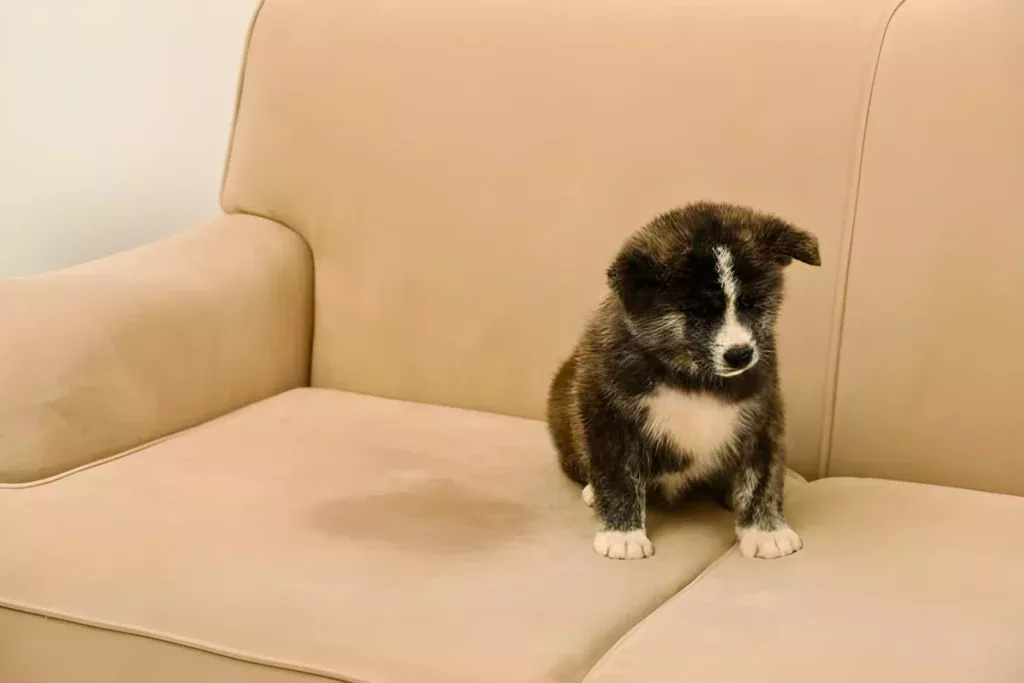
[301,442]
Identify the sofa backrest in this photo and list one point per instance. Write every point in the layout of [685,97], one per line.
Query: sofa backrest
[931,379]
[464,170]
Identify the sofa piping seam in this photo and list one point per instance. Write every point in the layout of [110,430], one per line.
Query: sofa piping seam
[240,86]
[160,636]
[98,462]
[831,392]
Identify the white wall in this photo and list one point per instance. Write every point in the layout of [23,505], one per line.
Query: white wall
[114,120]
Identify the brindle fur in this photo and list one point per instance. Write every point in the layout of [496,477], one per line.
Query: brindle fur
[632,345]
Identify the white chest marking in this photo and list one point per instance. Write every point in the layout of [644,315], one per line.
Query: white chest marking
[699,425]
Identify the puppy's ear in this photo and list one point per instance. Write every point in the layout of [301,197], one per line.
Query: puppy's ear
[634,276]
[787,242]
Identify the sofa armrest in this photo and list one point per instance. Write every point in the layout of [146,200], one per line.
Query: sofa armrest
[102,357]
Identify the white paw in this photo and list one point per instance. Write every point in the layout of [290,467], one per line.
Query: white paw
[588,495]
[623,545]
[768,544]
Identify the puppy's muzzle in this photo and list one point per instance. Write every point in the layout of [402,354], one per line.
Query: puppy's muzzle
[738,359]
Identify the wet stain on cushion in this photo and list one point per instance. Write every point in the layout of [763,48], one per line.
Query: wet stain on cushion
[440,516]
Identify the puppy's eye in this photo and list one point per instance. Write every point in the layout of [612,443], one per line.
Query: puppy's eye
[747,302]
[709,305]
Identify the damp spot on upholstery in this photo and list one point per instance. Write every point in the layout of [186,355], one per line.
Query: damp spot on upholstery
[439,516]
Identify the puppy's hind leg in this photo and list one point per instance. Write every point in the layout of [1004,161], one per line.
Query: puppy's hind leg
[588,495]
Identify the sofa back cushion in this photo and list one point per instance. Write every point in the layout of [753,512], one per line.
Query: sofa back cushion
[464,171]
[931,376]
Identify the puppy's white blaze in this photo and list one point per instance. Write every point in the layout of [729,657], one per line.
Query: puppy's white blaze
[700,425]
[768,544]
[726,276]
[623,545]
[732,332]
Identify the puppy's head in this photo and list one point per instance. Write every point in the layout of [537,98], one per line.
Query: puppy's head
[701,286]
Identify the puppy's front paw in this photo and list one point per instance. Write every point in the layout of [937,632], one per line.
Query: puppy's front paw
[623,545]
[768,544]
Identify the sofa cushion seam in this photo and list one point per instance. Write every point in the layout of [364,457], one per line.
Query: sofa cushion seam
[663,606]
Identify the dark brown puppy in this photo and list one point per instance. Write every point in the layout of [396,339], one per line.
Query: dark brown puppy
[674,383]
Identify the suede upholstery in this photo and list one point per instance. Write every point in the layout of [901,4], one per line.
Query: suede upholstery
[108,355]
[898,582]
[300,443]
[467,193]
[368,522]
[935,269]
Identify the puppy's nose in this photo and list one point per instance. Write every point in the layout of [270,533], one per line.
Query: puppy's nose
[737,357]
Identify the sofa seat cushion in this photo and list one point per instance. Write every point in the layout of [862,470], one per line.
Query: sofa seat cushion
[357,538]
[896,582]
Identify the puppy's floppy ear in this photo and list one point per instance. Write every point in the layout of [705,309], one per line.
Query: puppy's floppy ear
[634,276]
[787,242]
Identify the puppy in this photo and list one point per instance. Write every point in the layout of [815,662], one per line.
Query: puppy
[674,382]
